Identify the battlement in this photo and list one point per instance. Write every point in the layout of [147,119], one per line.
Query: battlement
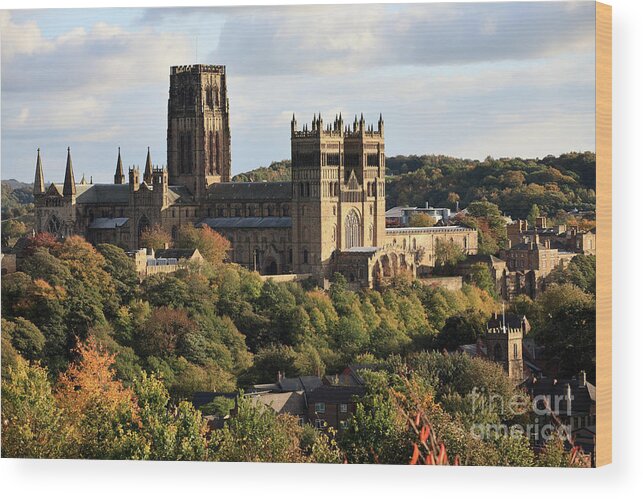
[508,331]
[336,129]
[197,68]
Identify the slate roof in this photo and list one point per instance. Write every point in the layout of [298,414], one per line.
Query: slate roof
[281,403]
[108,223]
[245,191]
[301,383]
[178,194]
[247,222]
[583,397]
[178,253]
[102,194]
[335,394]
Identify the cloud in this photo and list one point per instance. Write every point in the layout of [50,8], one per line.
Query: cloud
[465,79]
[343,40]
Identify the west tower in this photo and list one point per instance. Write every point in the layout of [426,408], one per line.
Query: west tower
[198,130]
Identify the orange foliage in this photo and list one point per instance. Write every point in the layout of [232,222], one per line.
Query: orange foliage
[89,384]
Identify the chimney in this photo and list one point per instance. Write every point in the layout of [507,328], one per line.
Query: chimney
[568,398]
[426,205]
[582,379]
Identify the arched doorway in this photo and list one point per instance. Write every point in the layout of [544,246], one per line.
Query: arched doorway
[269,266]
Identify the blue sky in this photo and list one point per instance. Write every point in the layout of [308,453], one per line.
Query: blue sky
[469,80]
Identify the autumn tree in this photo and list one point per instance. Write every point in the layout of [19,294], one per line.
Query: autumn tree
[155,237]
[100,413]
[212,245]
[163,330]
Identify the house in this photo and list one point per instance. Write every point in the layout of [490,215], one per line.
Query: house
[333,405]
[164,261]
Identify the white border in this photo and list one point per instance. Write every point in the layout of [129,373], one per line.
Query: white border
[52,479]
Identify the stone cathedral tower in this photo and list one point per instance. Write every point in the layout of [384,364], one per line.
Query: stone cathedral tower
[337,189]
[198,130]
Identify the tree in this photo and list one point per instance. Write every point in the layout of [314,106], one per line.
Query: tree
[447,256]
[32,424]
[581,272]
[569,337]
[534,213]
[121,268]
[480,275]
[461,329]
[212,245]
[163,331]
[258,434]
[171,433]
[155,237]
[421,220]
[25,337]
[12,230]
[100,413]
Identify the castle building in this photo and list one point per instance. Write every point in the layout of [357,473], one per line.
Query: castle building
[330,217]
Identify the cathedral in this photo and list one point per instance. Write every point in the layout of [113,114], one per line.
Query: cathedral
[330,217]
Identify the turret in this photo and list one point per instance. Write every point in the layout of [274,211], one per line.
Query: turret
[293,123]
[69,188]
[380,125]
[134,178]
[39,180]
[147,175]
[119,176]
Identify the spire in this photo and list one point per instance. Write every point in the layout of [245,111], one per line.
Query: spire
[69,188]
[39,180]
[82,180]
[119,176]
[147,175]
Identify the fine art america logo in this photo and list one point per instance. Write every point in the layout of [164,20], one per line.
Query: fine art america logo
[543,414]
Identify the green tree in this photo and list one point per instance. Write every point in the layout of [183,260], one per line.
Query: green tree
[171,433]
[258,434]
[25,337]
[480,275]
[447,256]
[534,213]
[121,268]
[32,424]
[421,220]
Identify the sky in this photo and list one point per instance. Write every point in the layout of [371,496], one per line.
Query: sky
[467,80]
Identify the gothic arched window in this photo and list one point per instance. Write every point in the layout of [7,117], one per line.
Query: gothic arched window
[143,223]
[54,225]
[353,230]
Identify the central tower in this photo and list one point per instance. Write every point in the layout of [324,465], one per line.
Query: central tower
[198,128]
[338,200]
